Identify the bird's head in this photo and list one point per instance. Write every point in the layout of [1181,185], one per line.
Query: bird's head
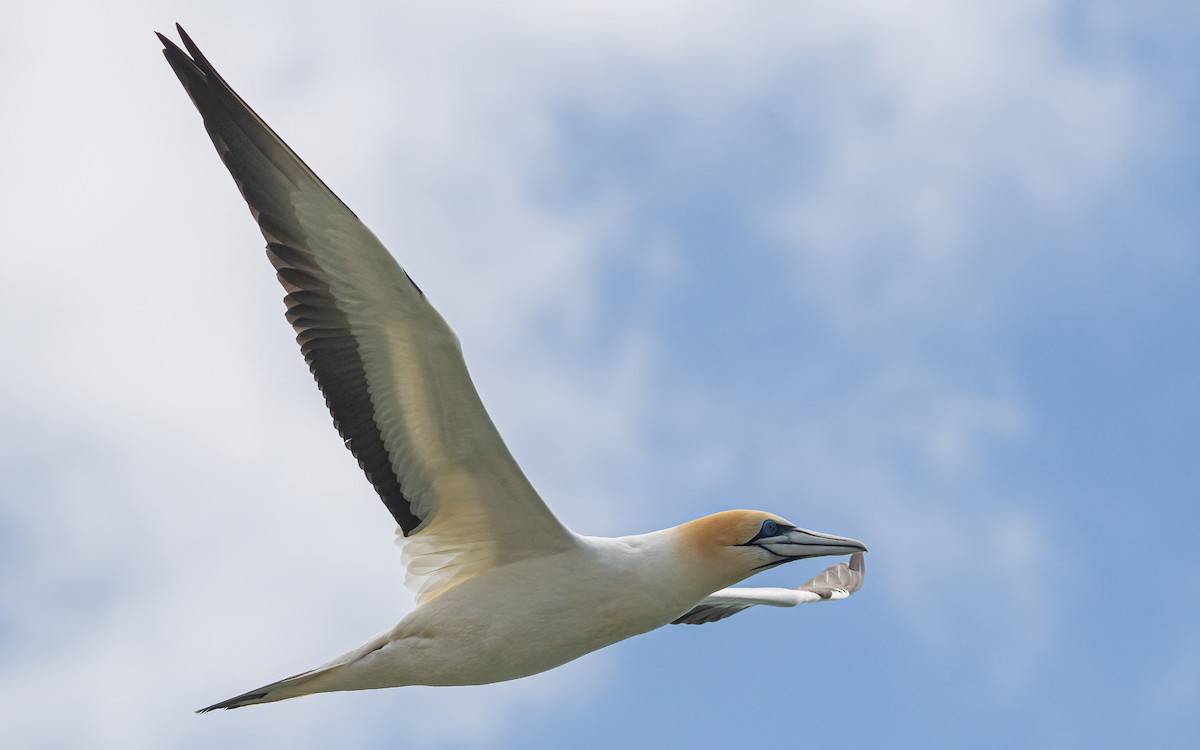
[736,544]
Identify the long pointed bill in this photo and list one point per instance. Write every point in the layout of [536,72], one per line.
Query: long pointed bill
[798,544]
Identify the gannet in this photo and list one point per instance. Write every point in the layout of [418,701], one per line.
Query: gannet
[504,590]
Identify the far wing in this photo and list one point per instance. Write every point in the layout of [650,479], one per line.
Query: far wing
[837,582]
[390,368]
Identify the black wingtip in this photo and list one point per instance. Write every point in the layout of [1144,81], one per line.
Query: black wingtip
[195,52]
[187,40]
[168,42]
[170,47]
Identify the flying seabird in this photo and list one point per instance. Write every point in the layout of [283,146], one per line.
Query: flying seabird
[504,589]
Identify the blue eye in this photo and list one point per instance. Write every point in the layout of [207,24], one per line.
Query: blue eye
[769,527]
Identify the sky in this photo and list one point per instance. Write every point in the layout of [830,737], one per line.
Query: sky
[925,275]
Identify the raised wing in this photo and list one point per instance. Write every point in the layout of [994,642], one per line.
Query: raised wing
[837,582]
[390,368]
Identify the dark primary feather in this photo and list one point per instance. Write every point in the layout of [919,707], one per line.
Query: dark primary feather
[702,614]
[267,172]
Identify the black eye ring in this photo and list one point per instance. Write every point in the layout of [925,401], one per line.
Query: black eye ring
[769,527]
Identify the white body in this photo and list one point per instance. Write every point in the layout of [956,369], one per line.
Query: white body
[529,616]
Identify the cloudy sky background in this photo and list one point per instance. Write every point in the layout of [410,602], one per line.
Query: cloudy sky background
[925,275]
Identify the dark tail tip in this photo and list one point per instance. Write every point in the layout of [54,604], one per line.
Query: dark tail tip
[237,702]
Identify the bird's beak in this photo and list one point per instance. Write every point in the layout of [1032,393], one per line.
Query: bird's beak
[798,544]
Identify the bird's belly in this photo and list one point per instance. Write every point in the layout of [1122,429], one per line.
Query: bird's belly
[476,634]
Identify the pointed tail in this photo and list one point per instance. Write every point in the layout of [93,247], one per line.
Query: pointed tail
[289,687]
[338,674]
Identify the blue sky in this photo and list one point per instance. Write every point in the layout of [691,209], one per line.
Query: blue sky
[925,276]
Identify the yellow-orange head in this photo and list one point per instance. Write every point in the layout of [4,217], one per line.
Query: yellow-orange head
[735,544]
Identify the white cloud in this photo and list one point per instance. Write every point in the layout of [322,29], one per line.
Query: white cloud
[944,119]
